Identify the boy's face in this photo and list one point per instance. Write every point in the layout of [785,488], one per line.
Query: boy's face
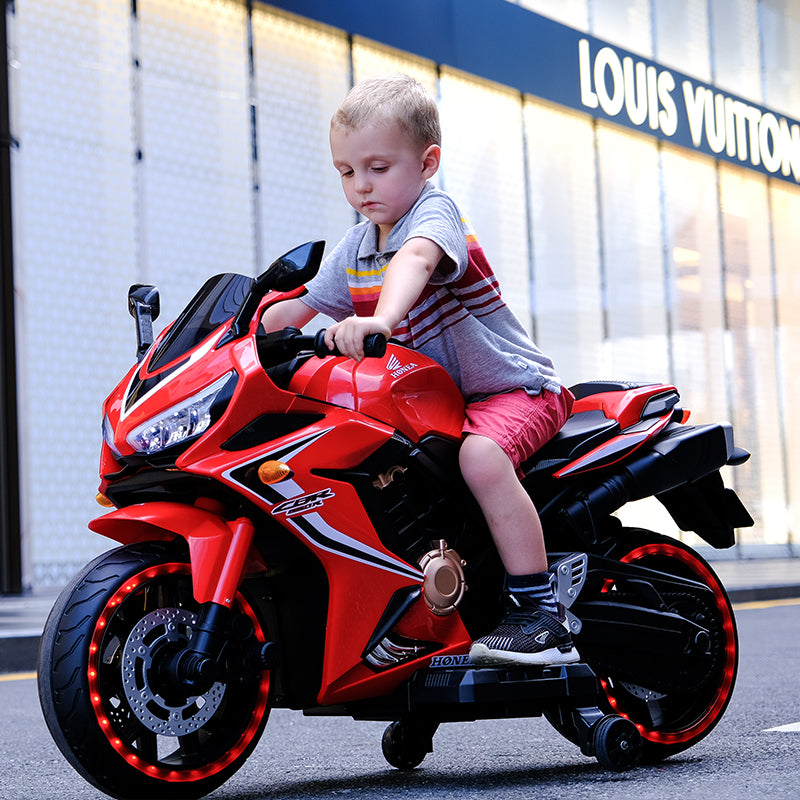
[382,171]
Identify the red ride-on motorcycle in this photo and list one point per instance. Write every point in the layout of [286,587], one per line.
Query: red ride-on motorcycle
[295,533]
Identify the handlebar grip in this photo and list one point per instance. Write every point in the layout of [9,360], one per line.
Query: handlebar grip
[320,348]
[374,346]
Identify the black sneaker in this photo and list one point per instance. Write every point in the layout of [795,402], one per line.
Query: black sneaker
[527,635]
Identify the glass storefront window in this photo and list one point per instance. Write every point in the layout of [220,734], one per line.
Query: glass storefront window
[780,33]
[301,75]
[750,307]
[785,206]
[194,193]
[483,168]
[75,251]
[150,152]
[681,33]
[692,230]
[735,47]
[623,22]
[632,260]
[566,285]
[574,13]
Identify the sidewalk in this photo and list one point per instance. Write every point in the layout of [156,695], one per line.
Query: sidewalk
[22,617]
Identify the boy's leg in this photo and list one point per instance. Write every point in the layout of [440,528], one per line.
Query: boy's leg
[509,511]
[531,632]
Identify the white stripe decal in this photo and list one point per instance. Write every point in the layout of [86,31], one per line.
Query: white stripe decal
[334,541]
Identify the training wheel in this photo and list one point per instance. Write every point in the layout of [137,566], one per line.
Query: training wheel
[617,743]
[406,744]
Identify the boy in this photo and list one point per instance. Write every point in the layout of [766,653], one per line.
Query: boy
[414,270]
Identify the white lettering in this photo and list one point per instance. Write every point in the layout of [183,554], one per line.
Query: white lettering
[588,97]
[695,103]
[768,131]
[613,84]
[635,90]
[652,98]
[739,109]
[668,116]
[753,116]
[610,103]
[717,122]
[730,128]
[790,146]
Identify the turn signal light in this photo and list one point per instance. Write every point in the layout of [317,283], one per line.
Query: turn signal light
[274,471]
[102,500]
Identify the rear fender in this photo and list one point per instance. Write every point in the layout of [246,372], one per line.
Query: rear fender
[219,549]
[681,469]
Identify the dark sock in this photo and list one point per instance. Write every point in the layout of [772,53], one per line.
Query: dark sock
[536,589]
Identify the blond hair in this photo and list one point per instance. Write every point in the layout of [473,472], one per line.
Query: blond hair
[392,98]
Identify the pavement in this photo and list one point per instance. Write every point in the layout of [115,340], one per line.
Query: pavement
[22,617]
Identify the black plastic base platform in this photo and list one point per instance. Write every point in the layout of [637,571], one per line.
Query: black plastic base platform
[470,693]
[568,695]
[483,693]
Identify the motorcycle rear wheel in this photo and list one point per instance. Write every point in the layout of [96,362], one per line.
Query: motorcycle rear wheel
[125,730]
[675,718]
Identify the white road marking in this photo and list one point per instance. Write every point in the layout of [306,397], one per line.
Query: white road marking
[793,727]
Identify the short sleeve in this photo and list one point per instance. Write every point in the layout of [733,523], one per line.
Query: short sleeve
[436,217]
[328,293]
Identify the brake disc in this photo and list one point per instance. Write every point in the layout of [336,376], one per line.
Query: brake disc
[177,715]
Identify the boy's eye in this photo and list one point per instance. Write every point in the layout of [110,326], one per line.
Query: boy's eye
[380,169]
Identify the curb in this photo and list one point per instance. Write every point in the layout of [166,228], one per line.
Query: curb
[761,593]
[19,653]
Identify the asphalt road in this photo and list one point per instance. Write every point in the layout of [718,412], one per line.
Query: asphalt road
[311,758]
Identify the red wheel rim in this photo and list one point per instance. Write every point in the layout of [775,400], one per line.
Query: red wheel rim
[705,721]
[132,757]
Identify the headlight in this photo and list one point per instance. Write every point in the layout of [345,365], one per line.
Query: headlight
[182,422]
[108,436]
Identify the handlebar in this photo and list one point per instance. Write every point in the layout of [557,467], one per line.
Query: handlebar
[374,346]
[285,344]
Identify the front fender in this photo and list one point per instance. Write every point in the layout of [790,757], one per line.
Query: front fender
[219,549]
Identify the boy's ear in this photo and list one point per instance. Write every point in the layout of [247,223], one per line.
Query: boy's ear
[430,160]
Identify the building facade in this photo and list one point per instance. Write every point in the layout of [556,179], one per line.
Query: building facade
[632,168]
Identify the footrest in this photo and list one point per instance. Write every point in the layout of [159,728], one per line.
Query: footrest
[521,690]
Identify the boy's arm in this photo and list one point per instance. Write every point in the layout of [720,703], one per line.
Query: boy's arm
[287,313]
[406,276]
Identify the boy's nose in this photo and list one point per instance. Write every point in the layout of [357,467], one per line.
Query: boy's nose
[362,184]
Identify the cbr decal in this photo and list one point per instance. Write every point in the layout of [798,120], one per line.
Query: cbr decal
[296,506]
[304,504]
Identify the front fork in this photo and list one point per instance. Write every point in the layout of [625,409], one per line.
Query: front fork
[220,551]
[200,664]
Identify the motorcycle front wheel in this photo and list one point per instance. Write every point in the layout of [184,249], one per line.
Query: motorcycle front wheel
[123,726]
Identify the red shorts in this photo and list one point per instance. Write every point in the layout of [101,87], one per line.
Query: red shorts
[519,422]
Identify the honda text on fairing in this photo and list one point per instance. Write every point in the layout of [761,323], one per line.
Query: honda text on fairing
[295,533]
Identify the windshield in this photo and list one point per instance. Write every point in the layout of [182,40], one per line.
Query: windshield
[217,301]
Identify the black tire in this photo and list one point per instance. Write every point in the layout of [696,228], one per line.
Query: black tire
[617,743]
[101,702]
[672,711]
[405,744]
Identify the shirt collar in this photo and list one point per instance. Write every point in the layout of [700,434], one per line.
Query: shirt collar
[369,243]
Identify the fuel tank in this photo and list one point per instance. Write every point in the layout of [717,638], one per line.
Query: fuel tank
[404,389]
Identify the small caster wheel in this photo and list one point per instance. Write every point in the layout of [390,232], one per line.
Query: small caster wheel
[406,744]
[617,743]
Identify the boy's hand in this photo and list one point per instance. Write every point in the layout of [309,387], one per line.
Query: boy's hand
[349,334]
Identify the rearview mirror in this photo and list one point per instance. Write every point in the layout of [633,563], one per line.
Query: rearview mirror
[294,268]
[144,305]
[286,274]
